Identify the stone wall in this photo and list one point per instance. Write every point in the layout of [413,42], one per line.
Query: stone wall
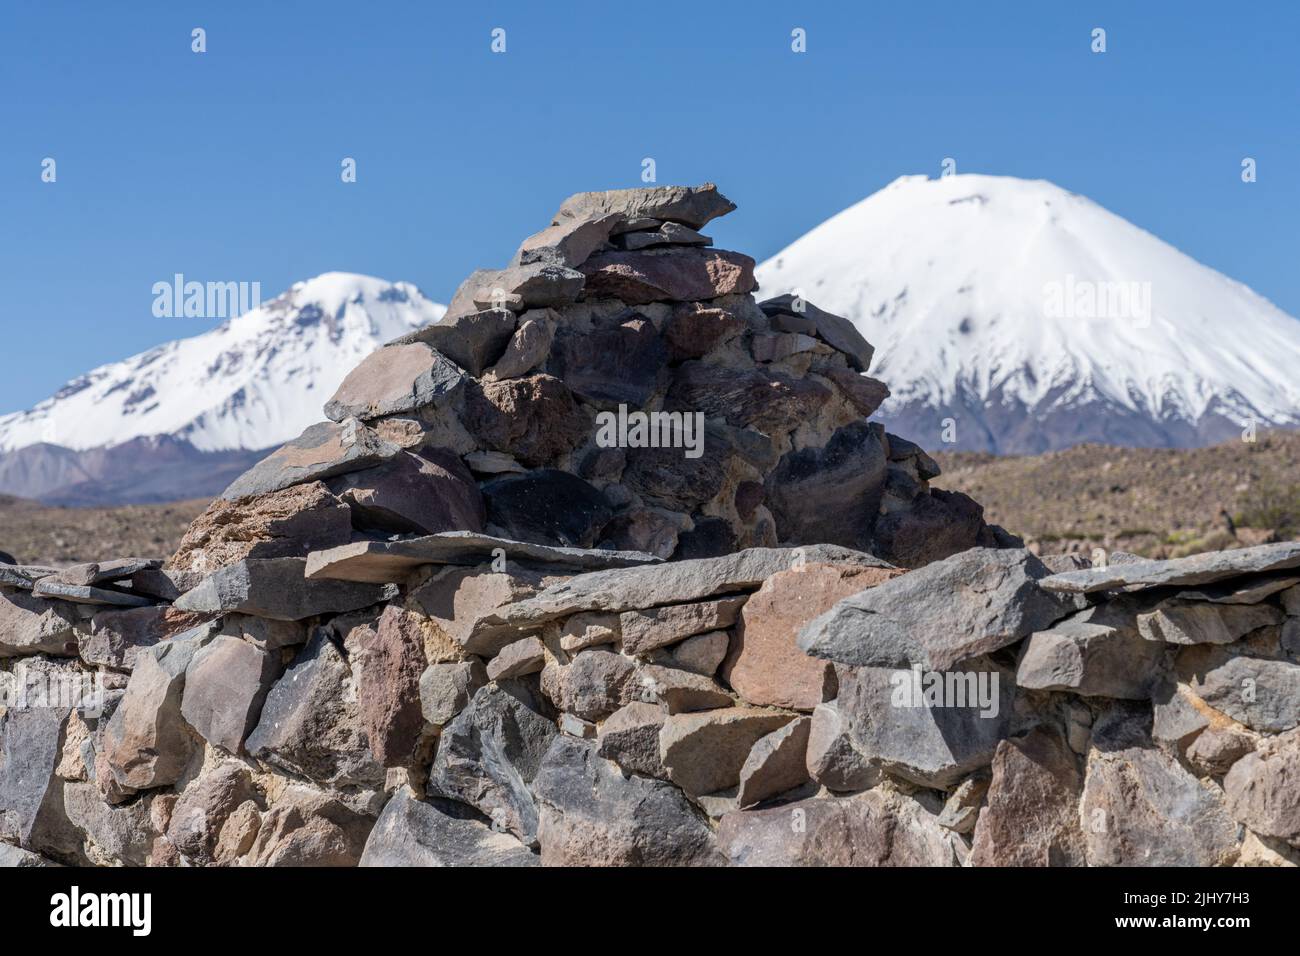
[463,621]
[466,700]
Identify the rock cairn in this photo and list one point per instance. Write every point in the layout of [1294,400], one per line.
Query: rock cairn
[620,311]
[450,626]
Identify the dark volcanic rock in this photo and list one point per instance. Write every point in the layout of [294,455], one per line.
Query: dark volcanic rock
[937,526]
[310,725]
[765,398]
[473,341]
[830,494]
[547,506]
[622,364]
[489,755]
[594,815]
[535,419]
[425,493]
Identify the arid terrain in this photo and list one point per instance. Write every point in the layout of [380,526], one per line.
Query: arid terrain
[1156,502]
[1153,501]
[39,534]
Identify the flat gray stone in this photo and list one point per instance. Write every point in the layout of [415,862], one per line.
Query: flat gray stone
[1261,693]
[23,576]
[400,377]
[693,206]
[379,562]
[489,755]
[103,572]
[592,814]
[310,725]
[1195,570]
[931,741]
[1251,591]
[837,332]
[30,625]
[1194,622]
[414,832]
[1091,659]
[675,582]
[276,588]
[972,603]
[322,451]
[85,594]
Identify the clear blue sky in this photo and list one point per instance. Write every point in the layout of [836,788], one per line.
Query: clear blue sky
[225,165]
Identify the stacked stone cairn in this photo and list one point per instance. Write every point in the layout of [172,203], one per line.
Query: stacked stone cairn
[450,626]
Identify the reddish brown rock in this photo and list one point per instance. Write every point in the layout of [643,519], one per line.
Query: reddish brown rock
[864,393]
[676,274]
[765,398]
[388,688]
[619,364]
[287,523]
[694,330]
[519,659]
[765,665]
[535,419]
[1032,816]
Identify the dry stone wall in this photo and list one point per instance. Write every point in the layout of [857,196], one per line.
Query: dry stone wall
[452,625]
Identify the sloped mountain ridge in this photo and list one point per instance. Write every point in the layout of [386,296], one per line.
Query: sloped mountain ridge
[181,419]
[1035,319]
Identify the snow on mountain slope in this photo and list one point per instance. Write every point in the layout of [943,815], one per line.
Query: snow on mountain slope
[252,382]
[1038,319]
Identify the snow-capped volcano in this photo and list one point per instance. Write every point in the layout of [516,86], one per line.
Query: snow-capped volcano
[254,381]
[1035,319]
[196,407]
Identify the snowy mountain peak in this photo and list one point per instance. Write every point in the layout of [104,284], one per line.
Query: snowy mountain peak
[252,382]
[1013,304]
